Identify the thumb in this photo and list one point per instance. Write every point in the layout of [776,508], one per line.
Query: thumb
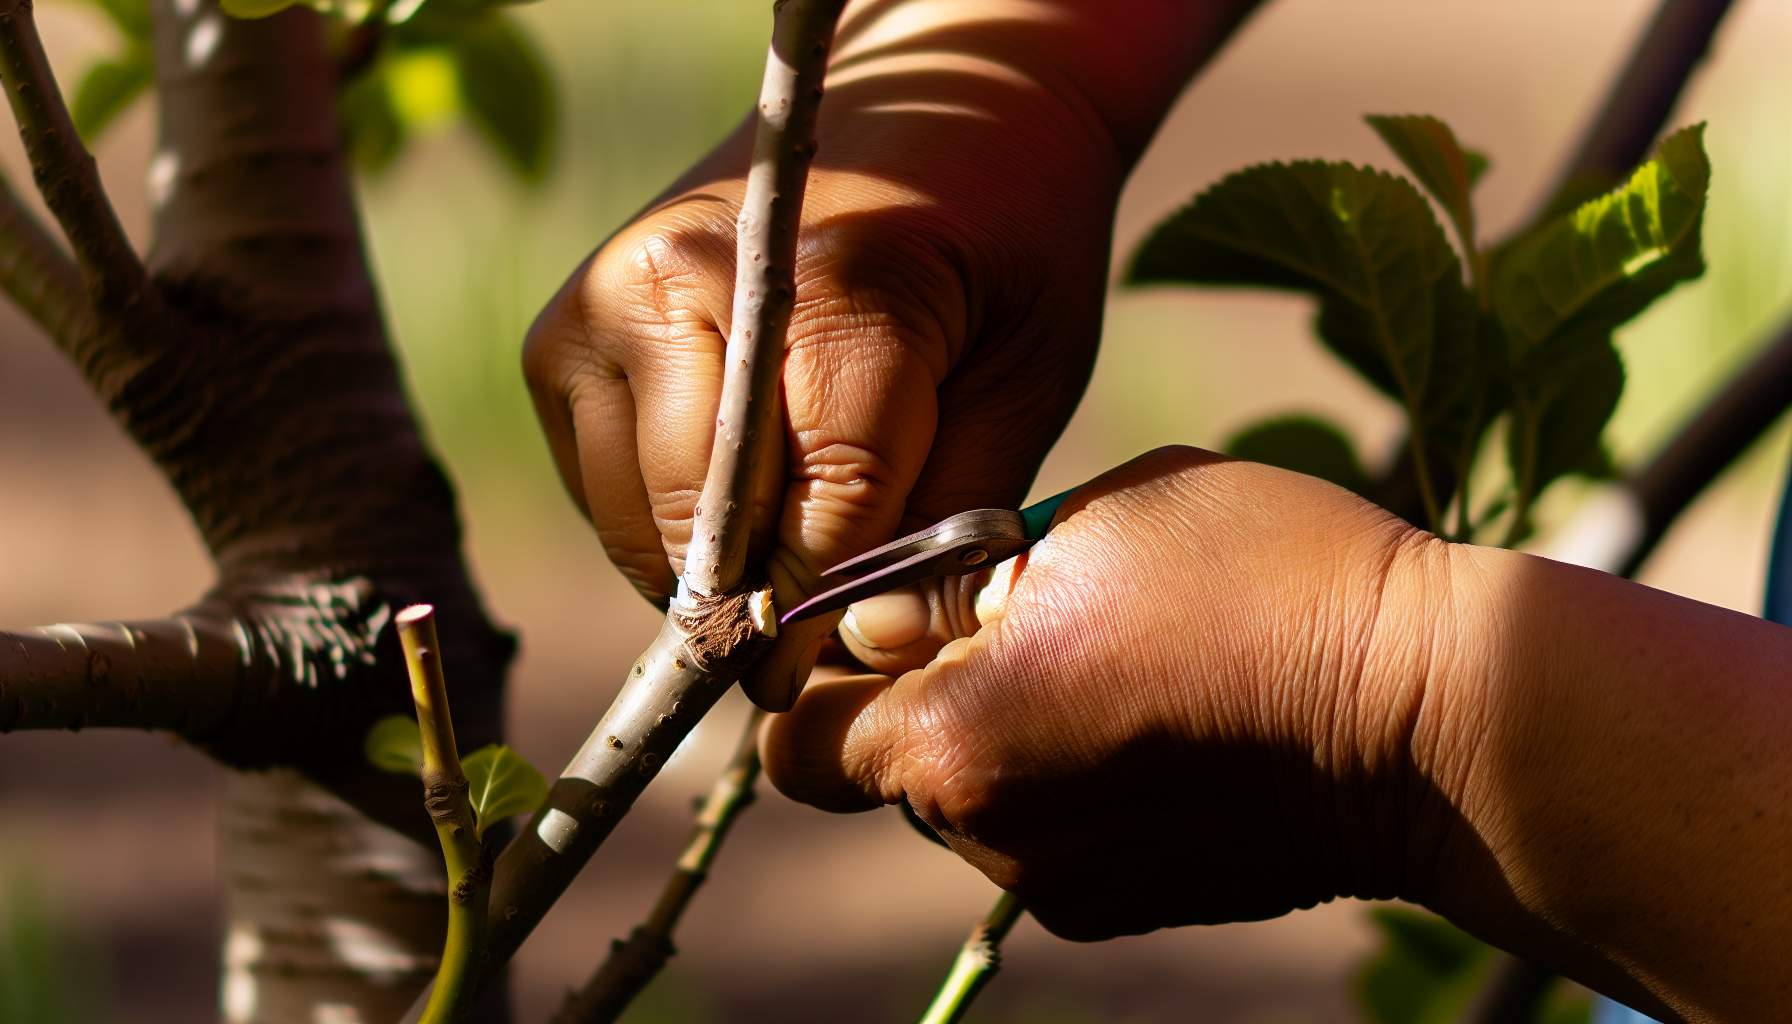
[904,629]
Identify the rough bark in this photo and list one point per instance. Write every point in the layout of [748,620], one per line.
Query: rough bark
[255,371]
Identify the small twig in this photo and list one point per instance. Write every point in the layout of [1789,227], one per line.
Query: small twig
[451,811]
[634,962]
[764,289]
[38,274]
[66,174]
[978,961]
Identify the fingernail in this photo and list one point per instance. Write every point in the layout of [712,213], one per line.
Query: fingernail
[886,621]
[993,595]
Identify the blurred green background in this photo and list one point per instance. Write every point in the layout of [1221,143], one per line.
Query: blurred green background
[812,917]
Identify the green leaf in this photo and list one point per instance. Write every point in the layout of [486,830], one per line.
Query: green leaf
[1584,273]
[131,17]
[107,88]
[1430,151]
[502,784]
[1478,163]
[1304,444]
[1392,302]
[394,744]
[508,94]
[1559,413]
[255,8]
[370,122]
[1425,971]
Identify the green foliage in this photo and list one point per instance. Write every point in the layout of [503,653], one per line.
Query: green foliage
[434,62]
[1363,241]
[502,784]
[108,87]
[445,64]
[394,744]
[1305,444]
[1425,972]
[46,976]
[130,17]
[1582,274]
[254,8]
[508,95]
[1533,341]
[1430,151]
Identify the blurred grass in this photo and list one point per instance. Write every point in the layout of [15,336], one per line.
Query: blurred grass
[47,975]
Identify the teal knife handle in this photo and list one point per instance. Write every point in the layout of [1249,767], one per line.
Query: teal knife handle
[1037,518]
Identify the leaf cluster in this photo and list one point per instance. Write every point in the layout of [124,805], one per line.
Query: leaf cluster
[1519,333]
[410,67]
[501,783]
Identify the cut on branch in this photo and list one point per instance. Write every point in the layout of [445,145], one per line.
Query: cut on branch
[67,176]
[716,626]
[445,796]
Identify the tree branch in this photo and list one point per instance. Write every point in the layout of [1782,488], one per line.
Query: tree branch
[38,275]
[764,289]
[182,673]
[66,174]
[634,962]
[1741,411]
[1639,102]
[716,626]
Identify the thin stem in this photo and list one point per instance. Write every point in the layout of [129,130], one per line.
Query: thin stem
[1427,490]
[978,961]
[716,627]
[764,289]
[451,810]
[38,274]
[633,963]
[66,174]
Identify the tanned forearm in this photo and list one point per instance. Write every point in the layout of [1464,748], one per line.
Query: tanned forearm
[1609,770]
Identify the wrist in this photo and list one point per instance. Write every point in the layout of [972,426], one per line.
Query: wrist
[1402,782]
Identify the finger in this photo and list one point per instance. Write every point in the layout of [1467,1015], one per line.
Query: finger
[905,629]
[803,750]
[588,416]
[860,379]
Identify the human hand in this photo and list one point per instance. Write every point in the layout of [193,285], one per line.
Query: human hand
[949,284]
[1194,706]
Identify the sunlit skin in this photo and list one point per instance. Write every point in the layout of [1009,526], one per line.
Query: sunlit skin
[1217,691]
